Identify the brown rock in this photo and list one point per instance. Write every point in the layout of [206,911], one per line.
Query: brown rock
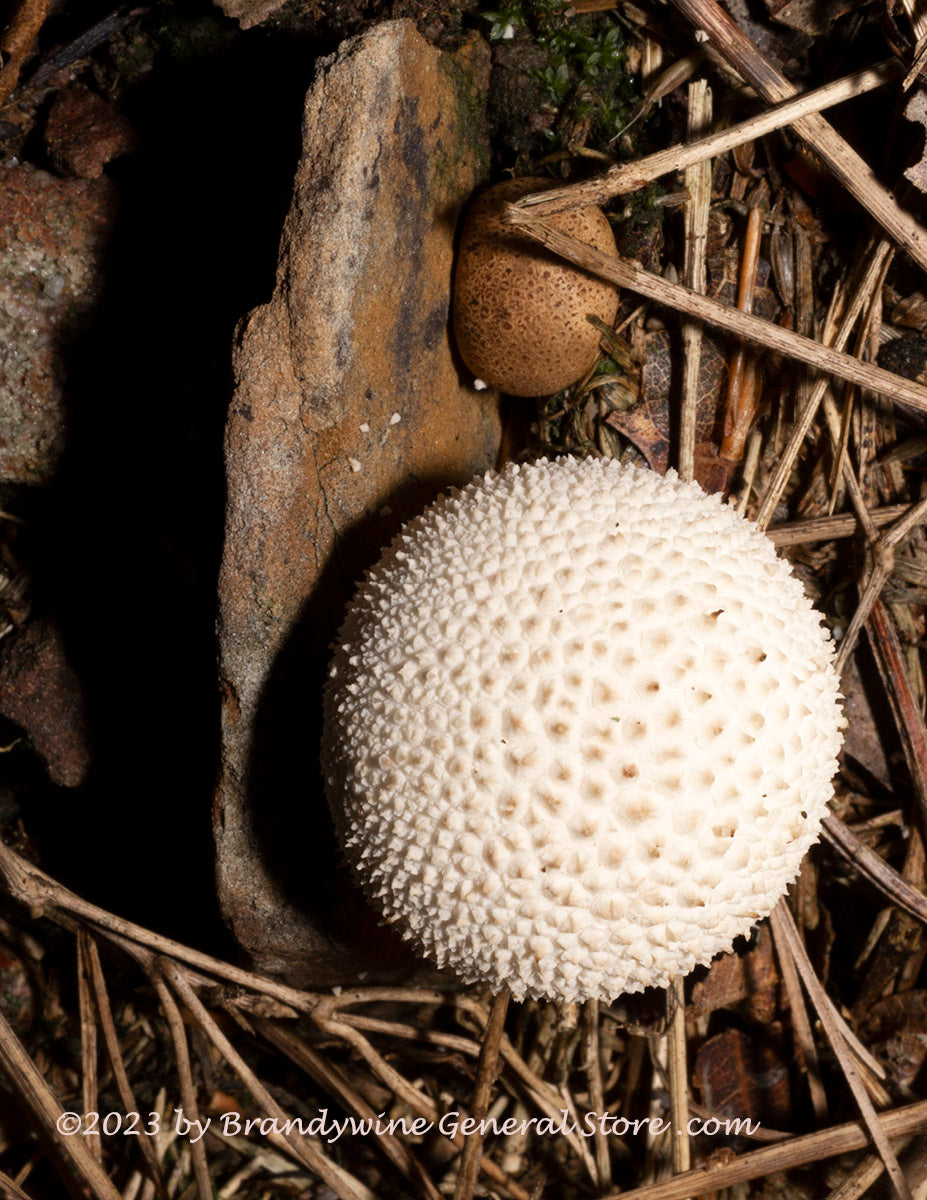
[52,234]
[40,692]
[348,416]
[84,132]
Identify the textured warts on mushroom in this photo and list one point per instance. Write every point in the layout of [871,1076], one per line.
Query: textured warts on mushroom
[520,314]
[581,729]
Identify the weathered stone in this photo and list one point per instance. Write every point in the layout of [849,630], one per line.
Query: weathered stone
[40,692]
[52,234]
[84,132]
[348,416]
[249,12]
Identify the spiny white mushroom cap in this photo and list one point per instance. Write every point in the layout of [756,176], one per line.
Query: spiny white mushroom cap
[581,729]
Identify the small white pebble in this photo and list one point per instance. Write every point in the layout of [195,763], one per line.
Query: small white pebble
[365,428]
[395,418]
[337,990]
[702,35]
[480,385]
[354,465]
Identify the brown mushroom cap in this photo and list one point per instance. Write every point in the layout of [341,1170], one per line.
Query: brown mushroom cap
[519,311]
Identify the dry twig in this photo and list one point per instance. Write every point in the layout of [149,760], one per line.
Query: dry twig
[88,1042]
[677,1062]
[827,529]
[16,41]
[883,560]
[742,399]
[795,1152]
[801,1028]
[787,935]
[698,185]
[185,1079]
[836,333]
[337,1084]
[593,1065]
[909,719]
[862,1178]
[39,1099]
[485,1077]
[629,177]
[341,1182]
[904,392]
[875,869]
[846,165]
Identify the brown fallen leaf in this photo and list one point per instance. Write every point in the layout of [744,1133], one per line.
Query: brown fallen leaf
[867,736]
[739,1076]
[776,44]
[649,424]
[812,17]
[911,312]
[748,983]
[895,1030]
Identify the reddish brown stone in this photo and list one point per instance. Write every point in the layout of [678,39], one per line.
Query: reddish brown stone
[84,132]
[349,415]
[52,234]
[40,692]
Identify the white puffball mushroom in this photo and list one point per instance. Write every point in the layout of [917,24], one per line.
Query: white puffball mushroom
[580,730]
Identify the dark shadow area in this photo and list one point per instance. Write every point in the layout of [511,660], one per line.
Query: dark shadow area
[285,788]
[129,538]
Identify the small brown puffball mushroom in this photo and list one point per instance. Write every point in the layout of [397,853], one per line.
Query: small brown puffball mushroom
[580,729]
[519,311]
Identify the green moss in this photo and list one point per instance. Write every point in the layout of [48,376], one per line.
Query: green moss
[192,38]
[639,233]
[471,127]
[582,81]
